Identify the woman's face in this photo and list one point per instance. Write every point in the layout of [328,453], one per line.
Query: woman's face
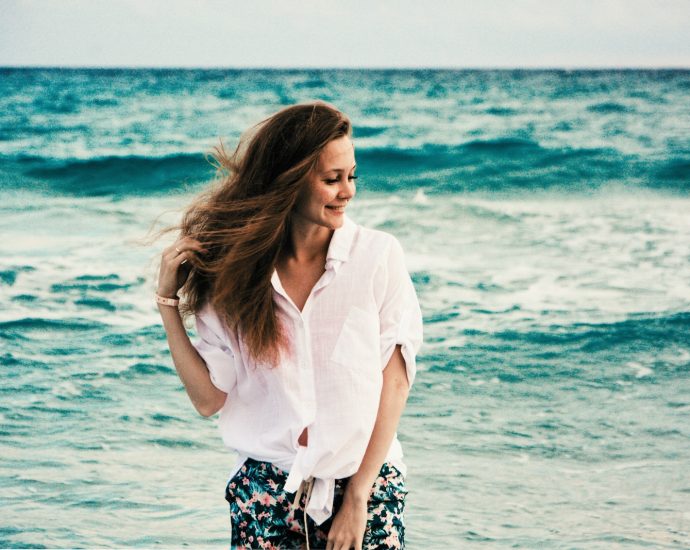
[331,185]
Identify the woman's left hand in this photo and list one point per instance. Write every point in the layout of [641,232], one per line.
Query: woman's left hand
[349,524]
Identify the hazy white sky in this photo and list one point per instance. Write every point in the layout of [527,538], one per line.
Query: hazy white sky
[346,33]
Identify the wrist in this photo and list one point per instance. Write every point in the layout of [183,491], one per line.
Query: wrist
[357,492]
[166,301]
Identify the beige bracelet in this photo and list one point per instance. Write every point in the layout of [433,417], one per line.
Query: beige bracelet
[167,301]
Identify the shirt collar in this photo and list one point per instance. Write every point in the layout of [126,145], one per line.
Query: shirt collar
[338,249]
[341,241]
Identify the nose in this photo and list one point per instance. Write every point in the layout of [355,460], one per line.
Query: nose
[347,188]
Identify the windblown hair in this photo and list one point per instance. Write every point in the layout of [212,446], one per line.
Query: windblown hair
[244,221]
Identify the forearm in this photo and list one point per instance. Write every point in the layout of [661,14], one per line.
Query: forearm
[393,399]
[190,367]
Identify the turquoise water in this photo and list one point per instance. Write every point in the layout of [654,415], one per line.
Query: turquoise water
[546,221]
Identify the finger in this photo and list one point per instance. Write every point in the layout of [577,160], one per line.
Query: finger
[172,263]
[171,257]
[179,247]
[172,254]
[185,248]
[174,248]
[188,242]
[181,258]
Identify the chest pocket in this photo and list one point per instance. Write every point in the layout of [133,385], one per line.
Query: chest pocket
[358,343]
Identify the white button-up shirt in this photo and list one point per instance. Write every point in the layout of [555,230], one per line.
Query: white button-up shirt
[361,307]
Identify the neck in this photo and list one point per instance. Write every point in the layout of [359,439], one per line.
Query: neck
[309,241]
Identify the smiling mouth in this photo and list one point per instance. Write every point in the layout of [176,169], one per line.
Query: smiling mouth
[337,208]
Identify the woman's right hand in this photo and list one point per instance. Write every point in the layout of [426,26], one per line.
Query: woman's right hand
[174,265]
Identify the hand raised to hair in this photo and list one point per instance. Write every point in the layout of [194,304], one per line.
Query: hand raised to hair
[175,268]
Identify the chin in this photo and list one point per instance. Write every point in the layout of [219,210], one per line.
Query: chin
[333,221]
[335,224]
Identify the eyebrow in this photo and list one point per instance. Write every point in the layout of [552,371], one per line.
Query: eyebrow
[339,169]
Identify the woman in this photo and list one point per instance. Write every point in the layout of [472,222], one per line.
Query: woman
[308,328]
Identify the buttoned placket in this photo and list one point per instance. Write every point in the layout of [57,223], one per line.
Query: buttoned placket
[305,365]
[320,501]
[306,375]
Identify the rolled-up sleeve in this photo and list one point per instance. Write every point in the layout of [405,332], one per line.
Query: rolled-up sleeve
[399,313]
[214,348]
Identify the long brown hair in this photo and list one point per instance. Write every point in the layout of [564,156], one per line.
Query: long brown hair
[244,221]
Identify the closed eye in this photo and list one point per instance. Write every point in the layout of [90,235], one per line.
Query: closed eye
[336,179]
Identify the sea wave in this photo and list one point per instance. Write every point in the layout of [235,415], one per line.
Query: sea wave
[507,164]
[642,329]
[515,165]
[626,349]
[130,175]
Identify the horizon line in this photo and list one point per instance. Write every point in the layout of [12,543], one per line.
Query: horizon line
[356,68]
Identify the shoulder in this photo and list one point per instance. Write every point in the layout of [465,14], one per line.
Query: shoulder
[207,317]
[376,241]
[206,312]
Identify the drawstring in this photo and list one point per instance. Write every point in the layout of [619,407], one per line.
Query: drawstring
[298,495]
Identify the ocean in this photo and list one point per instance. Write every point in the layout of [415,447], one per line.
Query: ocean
[545,217]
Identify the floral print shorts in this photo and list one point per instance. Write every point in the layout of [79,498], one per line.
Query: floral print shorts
[263,515]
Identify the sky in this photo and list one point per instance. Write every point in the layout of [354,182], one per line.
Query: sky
[346,33]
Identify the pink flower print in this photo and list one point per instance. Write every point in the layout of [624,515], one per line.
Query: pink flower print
[245,481]
[378,510]
[251,538]
[392,541]
[294,525]
[243,525]
[267,500]
[233,485]
[272,484]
